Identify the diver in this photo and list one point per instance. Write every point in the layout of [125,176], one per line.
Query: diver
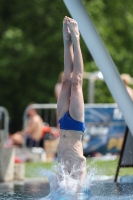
[70,105]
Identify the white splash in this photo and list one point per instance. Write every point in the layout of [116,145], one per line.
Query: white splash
[64,185]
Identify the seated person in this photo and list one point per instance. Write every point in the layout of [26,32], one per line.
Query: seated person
[35,132]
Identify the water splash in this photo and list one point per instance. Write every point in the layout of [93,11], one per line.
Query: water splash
[64,185]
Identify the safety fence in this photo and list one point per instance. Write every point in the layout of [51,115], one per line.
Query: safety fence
[46,111]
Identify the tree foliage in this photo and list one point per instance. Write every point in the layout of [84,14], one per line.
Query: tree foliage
[31,49]
[114,22]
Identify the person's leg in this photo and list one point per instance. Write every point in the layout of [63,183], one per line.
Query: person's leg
[76,108]
[64,97]
[17,138]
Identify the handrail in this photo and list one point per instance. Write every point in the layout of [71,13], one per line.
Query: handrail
[6,121]
[37,106]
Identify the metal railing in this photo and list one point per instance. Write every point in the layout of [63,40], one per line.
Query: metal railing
[47,115]
[4,118]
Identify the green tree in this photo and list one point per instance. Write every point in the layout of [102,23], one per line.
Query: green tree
[31,49]
[114,23]
[31,53]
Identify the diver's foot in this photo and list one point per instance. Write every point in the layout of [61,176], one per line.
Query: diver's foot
[66,31]
[74,30]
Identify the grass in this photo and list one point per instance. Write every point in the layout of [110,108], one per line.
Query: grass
[108,167]
[33,169]
[101,168]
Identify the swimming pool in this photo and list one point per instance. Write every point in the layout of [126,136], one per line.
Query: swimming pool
[39,190]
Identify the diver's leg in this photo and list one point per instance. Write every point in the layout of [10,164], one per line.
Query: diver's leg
[64,97]
[76,108]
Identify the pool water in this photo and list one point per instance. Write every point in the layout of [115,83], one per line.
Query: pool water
[24,191]
[42,189]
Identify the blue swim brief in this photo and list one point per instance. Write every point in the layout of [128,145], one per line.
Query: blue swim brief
[68,123]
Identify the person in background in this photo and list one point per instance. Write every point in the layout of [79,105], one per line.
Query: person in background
[58,85]
[35,132]
[127,79]
[57,91]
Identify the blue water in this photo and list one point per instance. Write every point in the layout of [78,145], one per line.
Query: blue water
[40,191]
[66,190]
